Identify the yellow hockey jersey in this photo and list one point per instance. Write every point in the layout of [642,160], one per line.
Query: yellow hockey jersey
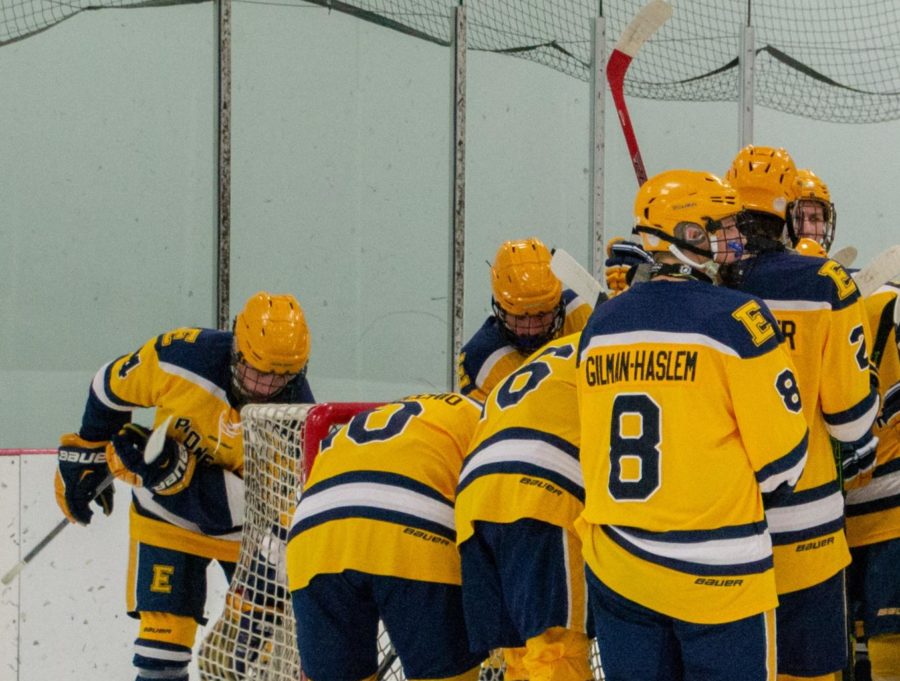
[487,358]
[523,461]
[826,332]
[873,511]
[379,498]
[690,415]
[184,373]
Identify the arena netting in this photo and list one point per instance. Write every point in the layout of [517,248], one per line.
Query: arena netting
[831,60]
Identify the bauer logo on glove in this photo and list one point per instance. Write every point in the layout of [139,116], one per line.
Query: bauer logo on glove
[168,474]
[81,478]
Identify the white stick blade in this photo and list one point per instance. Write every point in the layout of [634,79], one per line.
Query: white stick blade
[645,23]
[156,441]
[11,575]
[845,256]
[881,270]
[570,272]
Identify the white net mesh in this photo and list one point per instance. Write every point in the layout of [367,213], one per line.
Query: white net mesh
[255,636]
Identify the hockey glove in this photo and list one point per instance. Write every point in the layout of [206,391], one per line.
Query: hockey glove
[82,469]
[170,473]
[858,461]
[623,259]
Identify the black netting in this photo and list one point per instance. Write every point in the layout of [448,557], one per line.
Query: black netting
[834,60]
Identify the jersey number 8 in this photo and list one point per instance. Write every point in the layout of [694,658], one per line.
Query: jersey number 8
[634,455]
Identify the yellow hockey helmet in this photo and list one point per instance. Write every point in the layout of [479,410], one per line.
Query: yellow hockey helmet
[271,335]
[808,185]
[806,246]
[811,202]
[521,279]
[673,200]
[765,178]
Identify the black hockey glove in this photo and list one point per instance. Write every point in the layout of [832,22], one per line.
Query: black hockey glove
[169,473]
[81,471]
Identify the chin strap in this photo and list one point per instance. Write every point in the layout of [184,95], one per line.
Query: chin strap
[679,271]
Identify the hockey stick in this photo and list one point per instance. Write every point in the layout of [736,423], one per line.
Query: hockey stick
[51,535]
[574,276]
[845,256]
[881,270]
[645,23]
[152,450]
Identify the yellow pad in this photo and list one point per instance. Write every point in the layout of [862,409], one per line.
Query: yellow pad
[558,655]
[167,628]
[884,654]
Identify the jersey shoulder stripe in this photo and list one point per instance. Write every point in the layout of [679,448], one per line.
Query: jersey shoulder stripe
[205,353]
[728,321]
[800,282]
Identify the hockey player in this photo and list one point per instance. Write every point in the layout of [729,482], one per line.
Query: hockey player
[187,505]
[623,260]
[374,537]
[530,308]
[873,511]
[810,213]
[519,493]
[690,417]
[826,333]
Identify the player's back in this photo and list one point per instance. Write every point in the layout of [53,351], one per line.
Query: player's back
[379,498]
[663,365]
[820,313]
[821,317]
[689,412]
[523,460]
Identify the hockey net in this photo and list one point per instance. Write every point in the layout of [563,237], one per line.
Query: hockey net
[255,636]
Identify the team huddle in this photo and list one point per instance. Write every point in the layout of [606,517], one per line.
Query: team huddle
[700,470]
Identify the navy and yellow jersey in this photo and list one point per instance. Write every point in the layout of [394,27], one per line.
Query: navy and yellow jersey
[186,374]
[873,511]
[826,332]
[379,498]
[487,358]
[523,460]
[690,416]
